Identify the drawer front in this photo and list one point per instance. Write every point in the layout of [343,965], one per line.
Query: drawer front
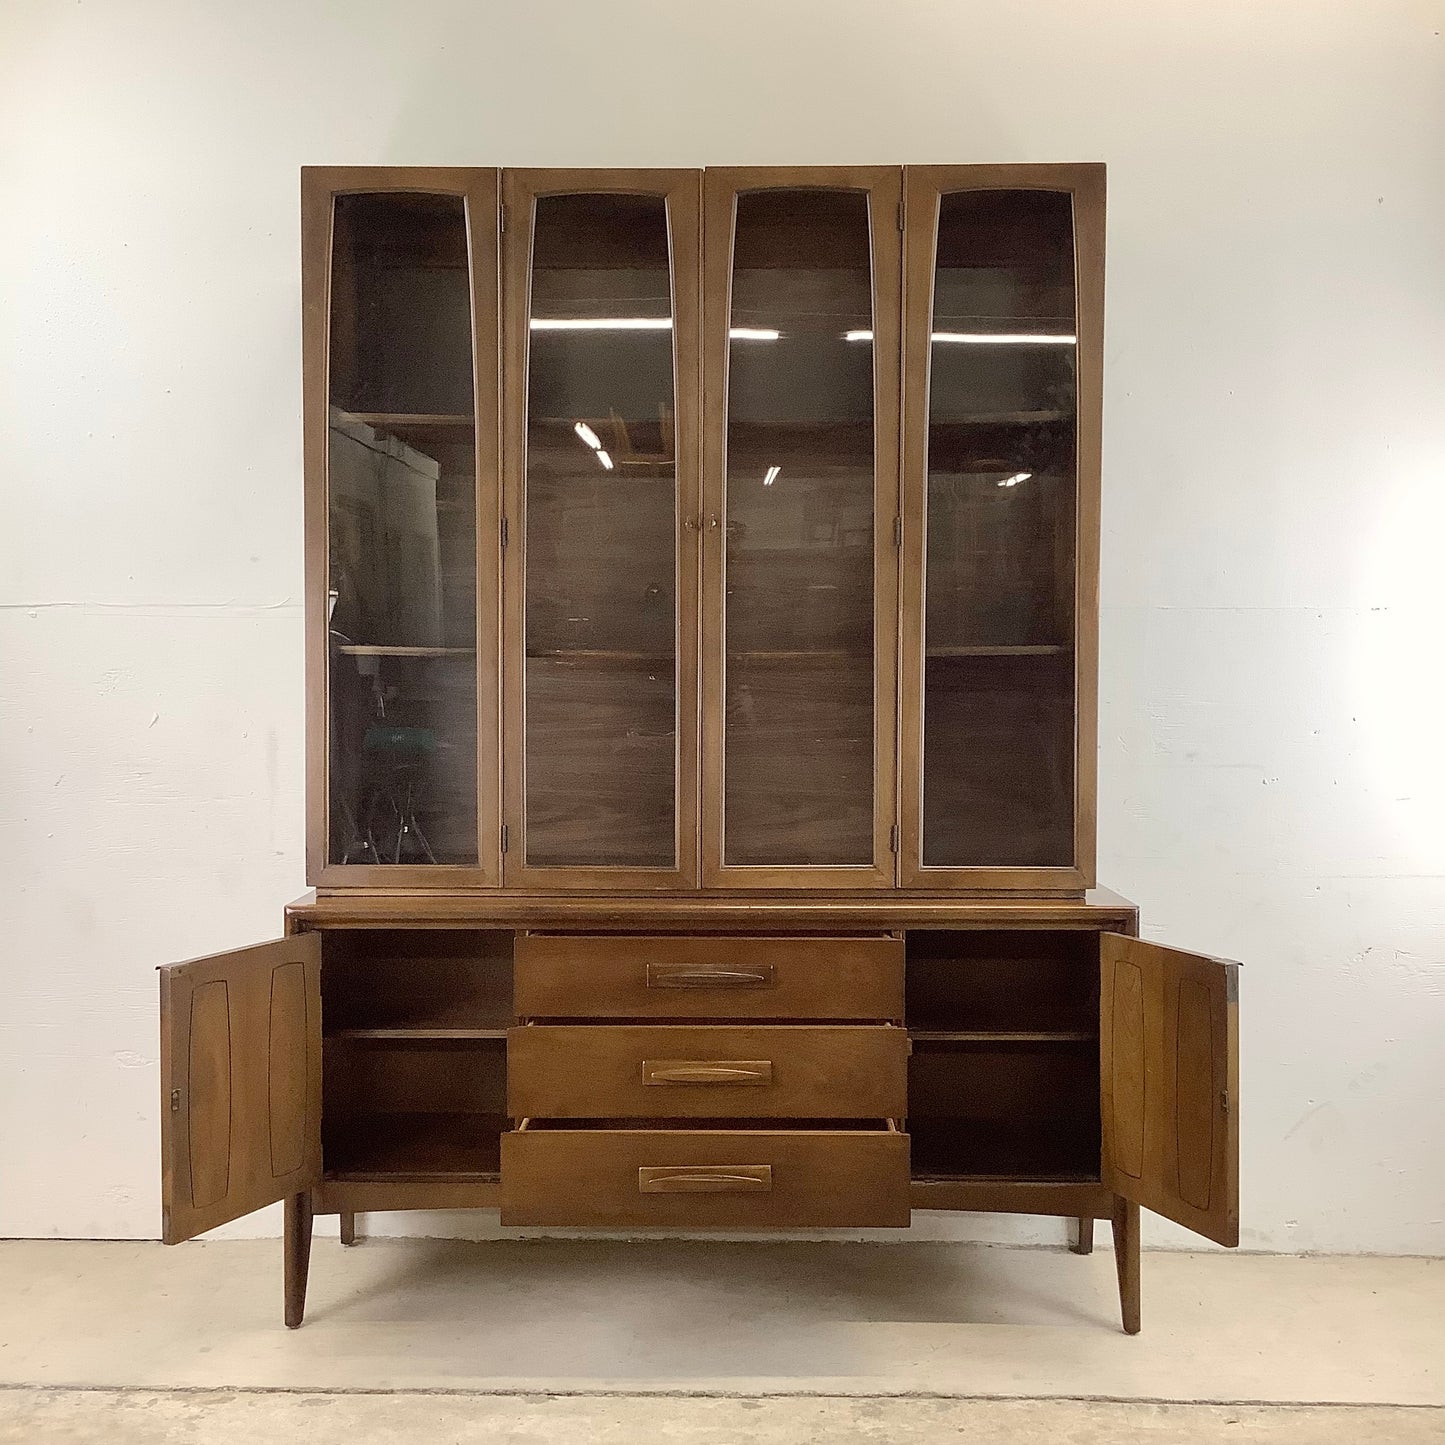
[697,1178]
[707,1071]
[583,976]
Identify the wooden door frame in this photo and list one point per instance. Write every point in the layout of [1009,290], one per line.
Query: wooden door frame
[479,189]
[923,187]
[682,192]
[721,186]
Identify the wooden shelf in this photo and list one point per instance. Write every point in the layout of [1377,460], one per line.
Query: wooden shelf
[1022,649]
[1005,418]
[367,649]
[1003,1036]
[444,998]
[601,655]
[435,425]
[660,659]
[416,1146]
[422,1032]
[1012,1148]
[799,654]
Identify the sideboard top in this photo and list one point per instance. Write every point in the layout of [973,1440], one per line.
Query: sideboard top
[1098,908]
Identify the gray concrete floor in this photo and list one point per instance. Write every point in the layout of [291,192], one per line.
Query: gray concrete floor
[130,1343]
[146,1417]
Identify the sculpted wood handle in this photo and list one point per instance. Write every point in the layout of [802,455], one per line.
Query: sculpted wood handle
[707,1071]
[705,1179]
[684,975]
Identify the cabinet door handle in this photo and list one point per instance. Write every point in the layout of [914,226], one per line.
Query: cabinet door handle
[705,1179]
[707,1071]
[683,975]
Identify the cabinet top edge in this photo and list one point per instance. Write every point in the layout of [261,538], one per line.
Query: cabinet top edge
[1098,908]
[323,171]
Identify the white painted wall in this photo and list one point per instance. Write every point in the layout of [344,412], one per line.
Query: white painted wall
[1272,775]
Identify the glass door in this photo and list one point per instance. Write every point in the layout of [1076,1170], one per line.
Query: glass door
[1002,348]
[800,465]
[400,343]
[601,305]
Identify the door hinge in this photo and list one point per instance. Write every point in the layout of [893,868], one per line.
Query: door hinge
[898,531]
[504,837]
[506,532]
[893,839]
[501,216]
[900,215]
[1224,1100]
[175,1101]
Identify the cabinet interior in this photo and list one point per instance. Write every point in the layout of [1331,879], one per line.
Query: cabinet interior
[415,1054]
[1003,1081]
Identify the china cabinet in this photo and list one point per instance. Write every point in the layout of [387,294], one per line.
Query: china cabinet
[701,648]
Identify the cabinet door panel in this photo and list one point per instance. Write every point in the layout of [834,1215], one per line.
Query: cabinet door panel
[601,572]
[801,315]
[1169,1086]
[1002,339]
[400,352]
[240,1082]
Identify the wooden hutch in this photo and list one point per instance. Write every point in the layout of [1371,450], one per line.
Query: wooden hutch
[701,595]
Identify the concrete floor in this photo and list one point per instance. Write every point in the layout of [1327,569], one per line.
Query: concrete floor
[69,1417]
[130,1344]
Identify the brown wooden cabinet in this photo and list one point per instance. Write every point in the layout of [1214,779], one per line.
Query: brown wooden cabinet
[701,596]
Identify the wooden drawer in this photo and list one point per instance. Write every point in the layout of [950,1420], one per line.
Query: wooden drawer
[582,976]
[707,1071]
[695,1178]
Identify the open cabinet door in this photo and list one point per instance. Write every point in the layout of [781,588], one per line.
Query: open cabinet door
[240,1082]
[1169,1083]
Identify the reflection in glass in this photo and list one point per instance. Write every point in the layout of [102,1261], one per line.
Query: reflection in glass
[601,504]
[401,490]
[798,749]
[999,578]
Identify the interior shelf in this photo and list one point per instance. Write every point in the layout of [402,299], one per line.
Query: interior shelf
[1036,986]
[415,1146]
[397,985]
[600,655]
[1003,1036]
[366,649]
[1042,417]
[944,1148]
[413,418]
[480,1017]
[1024,649]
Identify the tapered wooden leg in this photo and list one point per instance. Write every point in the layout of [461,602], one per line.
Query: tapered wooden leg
[1126,1261]
[297,1245]
[348,1227]
[1084,1235]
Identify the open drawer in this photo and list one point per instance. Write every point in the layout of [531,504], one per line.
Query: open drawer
[707,1071]
[737,1174]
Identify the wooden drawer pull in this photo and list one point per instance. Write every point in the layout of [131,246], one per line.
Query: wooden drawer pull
[705,1179]
[682,975]
[707,1071]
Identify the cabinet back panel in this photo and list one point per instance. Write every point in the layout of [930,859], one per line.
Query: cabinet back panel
[1027,1110]
[399,978]
[1016,982]
[998,759]
[365,1078]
